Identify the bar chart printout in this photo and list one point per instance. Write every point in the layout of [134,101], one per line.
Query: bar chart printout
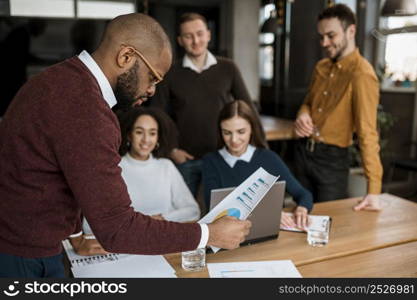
[242,201]
[254,269]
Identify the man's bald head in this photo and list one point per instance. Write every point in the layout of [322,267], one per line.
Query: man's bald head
[134,55]
[137,30]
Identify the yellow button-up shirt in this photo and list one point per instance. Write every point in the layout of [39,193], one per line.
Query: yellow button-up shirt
[343,98]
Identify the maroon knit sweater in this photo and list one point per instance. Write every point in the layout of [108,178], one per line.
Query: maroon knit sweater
[59,156]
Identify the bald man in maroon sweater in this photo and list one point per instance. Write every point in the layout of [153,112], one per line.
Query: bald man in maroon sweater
[59,158]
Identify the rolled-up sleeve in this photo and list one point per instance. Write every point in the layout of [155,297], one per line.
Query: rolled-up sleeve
[365,97]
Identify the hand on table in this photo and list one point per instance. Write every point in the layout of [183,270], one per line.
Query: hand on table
[370,202]
[299,218]
[84,246]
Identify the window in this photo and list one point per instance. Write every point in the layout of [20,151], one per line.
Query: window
[42,8]
[398,51]
[104,9]
[401,49]
[350,3]
[266,48]
[88,9]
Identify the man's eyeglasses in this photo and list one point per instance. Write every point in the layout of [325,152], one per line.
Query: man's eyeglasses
[157,78]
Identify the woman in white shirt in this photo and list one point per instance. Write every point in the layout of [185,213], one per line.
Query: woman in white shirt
[155,186]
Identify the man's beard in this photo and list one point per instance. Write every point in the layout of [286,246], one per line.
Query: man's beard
[342,47]
[126,88]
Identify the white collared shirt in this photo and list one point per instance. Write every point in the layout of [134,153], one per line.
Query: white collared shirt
[102,80]
[188,63]
[231,160]
[110,98]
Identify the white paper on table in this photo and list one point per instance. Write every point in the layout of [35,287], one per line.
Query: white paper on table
[133,266]
[316,222]
[244,198]
[251,269]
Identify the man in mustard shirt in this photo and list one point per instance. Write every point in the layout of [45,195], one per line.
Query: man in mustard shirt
[342,99]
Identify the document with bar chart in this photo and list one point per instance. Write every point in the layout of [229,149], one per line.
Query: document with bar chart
[241,202]
[254,269]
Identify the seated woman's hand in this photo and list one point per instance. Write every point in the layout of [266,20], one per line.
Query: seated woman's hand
[180,156]
[287,220]
[301,217]
[83,246]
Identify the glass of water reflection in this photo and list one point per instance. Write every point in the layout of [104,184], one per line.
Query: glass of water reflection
[319,236]
[194,260]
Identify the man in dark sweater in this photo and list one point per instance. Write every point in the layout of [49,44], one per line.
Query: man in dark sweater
[59,158]
[194,92]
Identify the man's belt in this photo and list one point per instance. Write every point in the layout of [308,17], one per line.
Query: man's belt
[310,144]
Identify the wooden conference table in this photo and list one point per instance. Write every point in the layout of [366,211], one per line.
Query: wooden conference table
[277,128]
[361,244]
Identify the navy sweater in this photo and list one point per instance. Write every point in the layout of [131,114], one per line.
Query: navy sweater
[218,174]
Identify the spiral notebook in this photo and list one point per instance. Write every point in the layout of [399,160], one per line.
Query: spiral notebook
[81,261]
[118,265]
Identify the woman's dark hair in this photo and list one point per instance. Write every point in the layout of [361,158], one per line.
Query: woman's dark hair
[241,109]
[166,129]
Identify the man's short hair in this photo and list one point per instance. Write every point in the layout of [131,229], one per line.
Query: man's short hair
[341,12]
[188,17]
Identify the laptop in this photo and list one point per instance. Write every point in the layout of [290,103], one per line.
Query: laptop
[265,218]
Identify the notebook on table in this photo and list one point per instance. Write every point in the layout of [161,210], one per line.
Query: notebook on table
[113,265]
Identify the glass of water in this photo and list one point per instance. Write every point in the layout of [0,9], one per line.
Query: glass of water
[318,237]
[194,260]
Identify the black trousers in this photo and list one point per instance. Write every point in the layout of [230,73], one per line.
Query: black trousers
[17,266]
[323,169]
